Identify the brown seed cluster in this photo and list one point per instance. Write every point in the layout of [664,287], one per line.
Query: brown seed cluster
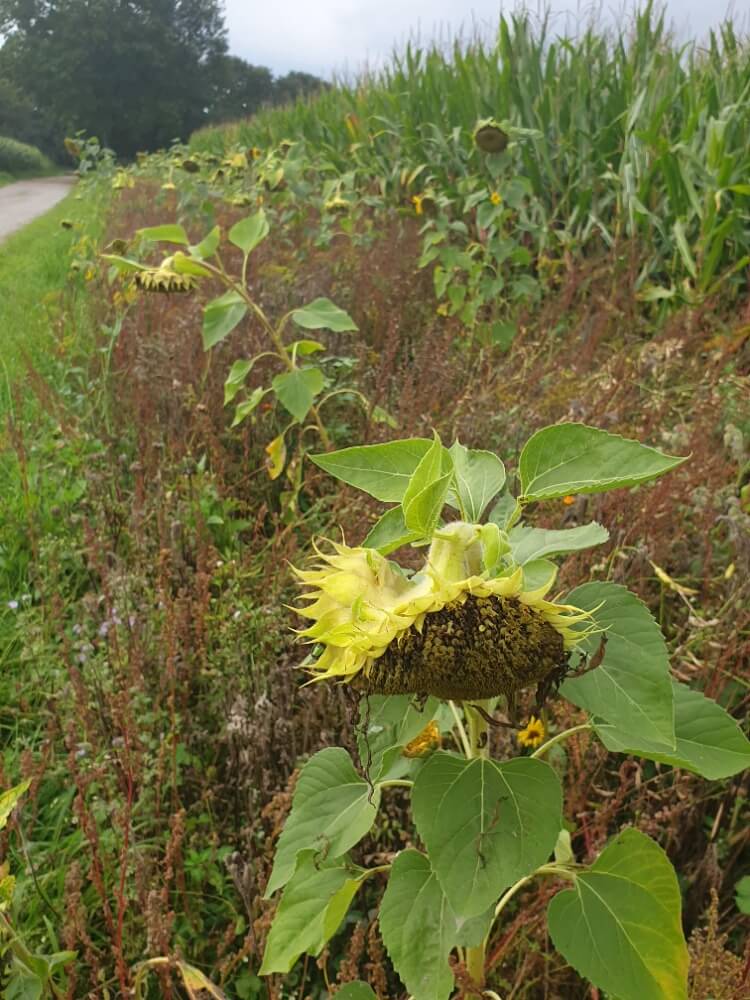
[478,648]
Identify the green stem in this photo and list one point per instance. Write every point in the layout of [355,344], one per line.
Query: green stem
[461,729]
[555,870]
[540,751]
[274,335]
[478,732]
[478,740]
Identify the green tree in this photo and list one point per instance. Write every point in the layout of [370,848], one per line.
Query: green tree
[240,88]
[134,72]
[293,85]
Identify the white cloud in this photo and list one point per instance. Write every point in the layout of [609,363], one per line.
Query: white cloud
[327,36]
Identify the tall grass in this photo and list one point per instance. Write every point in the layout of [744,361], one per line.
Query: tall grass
[635,135]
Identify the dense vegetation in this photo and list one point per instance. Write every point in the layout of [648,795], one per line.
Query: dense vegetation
[20,158]
[592,269]
[134,74]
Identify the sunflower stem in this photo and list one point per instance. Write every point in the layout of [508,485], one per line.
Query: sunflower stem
[540,751]
[479,747]
[461,730]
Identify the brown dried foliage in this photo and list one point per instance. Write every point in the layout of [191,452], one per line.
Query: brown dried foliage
[182,722]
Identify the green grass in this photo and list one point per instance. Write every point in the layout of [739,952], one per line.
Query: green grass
[34,271]
[46,321]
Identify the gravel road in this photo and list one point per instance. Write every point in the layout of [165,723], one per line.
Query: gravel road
[23,201]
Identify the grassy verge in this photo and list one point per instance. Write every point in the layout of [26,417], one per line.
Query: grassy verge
[45,318]
[35,268]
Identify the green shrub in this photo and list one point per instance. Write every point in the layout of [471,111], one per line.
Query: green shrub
[18,158]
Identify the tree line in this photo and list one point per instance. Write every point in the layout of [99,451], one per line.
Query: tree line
[138,74]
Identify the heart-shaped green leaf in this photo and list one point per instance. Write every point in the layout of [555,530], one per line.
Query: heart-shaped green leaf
[420,928]
[485,824]
[631,688]
[574,458]
[709,741]
[479,476]
[382,470]
[390,532]
[322,314]
[296,390]
[619,926]
[248,233]
[312,907]
[535,543]
[332,809]
[167,233]
[221,316]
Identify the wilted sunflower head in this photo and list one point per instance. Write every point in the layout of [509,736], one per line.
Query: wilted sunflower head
[489,136]
[452,630]
[164,278]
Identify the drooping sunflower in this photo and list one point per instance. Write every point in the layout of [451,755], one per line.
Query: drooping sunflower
[452,630]
[164,278]
[489,136]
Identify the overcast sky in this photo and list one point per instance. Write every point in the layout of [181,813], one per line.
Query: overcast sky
[327,36]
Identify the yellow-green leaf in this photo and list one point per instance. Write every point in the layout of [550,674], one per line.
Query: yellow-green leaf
[9,800]
[619,925]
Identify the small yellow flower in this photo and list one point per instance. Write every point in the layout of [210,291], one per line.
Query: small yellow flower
[254,153]
[495,198]
[569,500]
[90,274]
[416,200]
[424,744]
[532,735]
[237,162]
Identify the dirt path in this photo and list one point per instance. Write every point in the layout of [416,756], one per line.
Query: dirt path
[23,201]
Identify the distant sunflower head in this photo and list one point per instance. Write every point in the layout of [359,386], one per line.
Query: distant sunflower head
[164,278]
[489,136]
[451,630]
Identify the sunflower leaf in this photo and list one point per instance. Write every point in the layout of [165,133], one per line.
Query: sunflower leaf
[619,926]
[390,532]
[248,233]
[631,688]
[415,908]
[332,809]
[311,909]
[535,543]
[709,741]
[573,458]
[382,470]
[485,824]
[479,475]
